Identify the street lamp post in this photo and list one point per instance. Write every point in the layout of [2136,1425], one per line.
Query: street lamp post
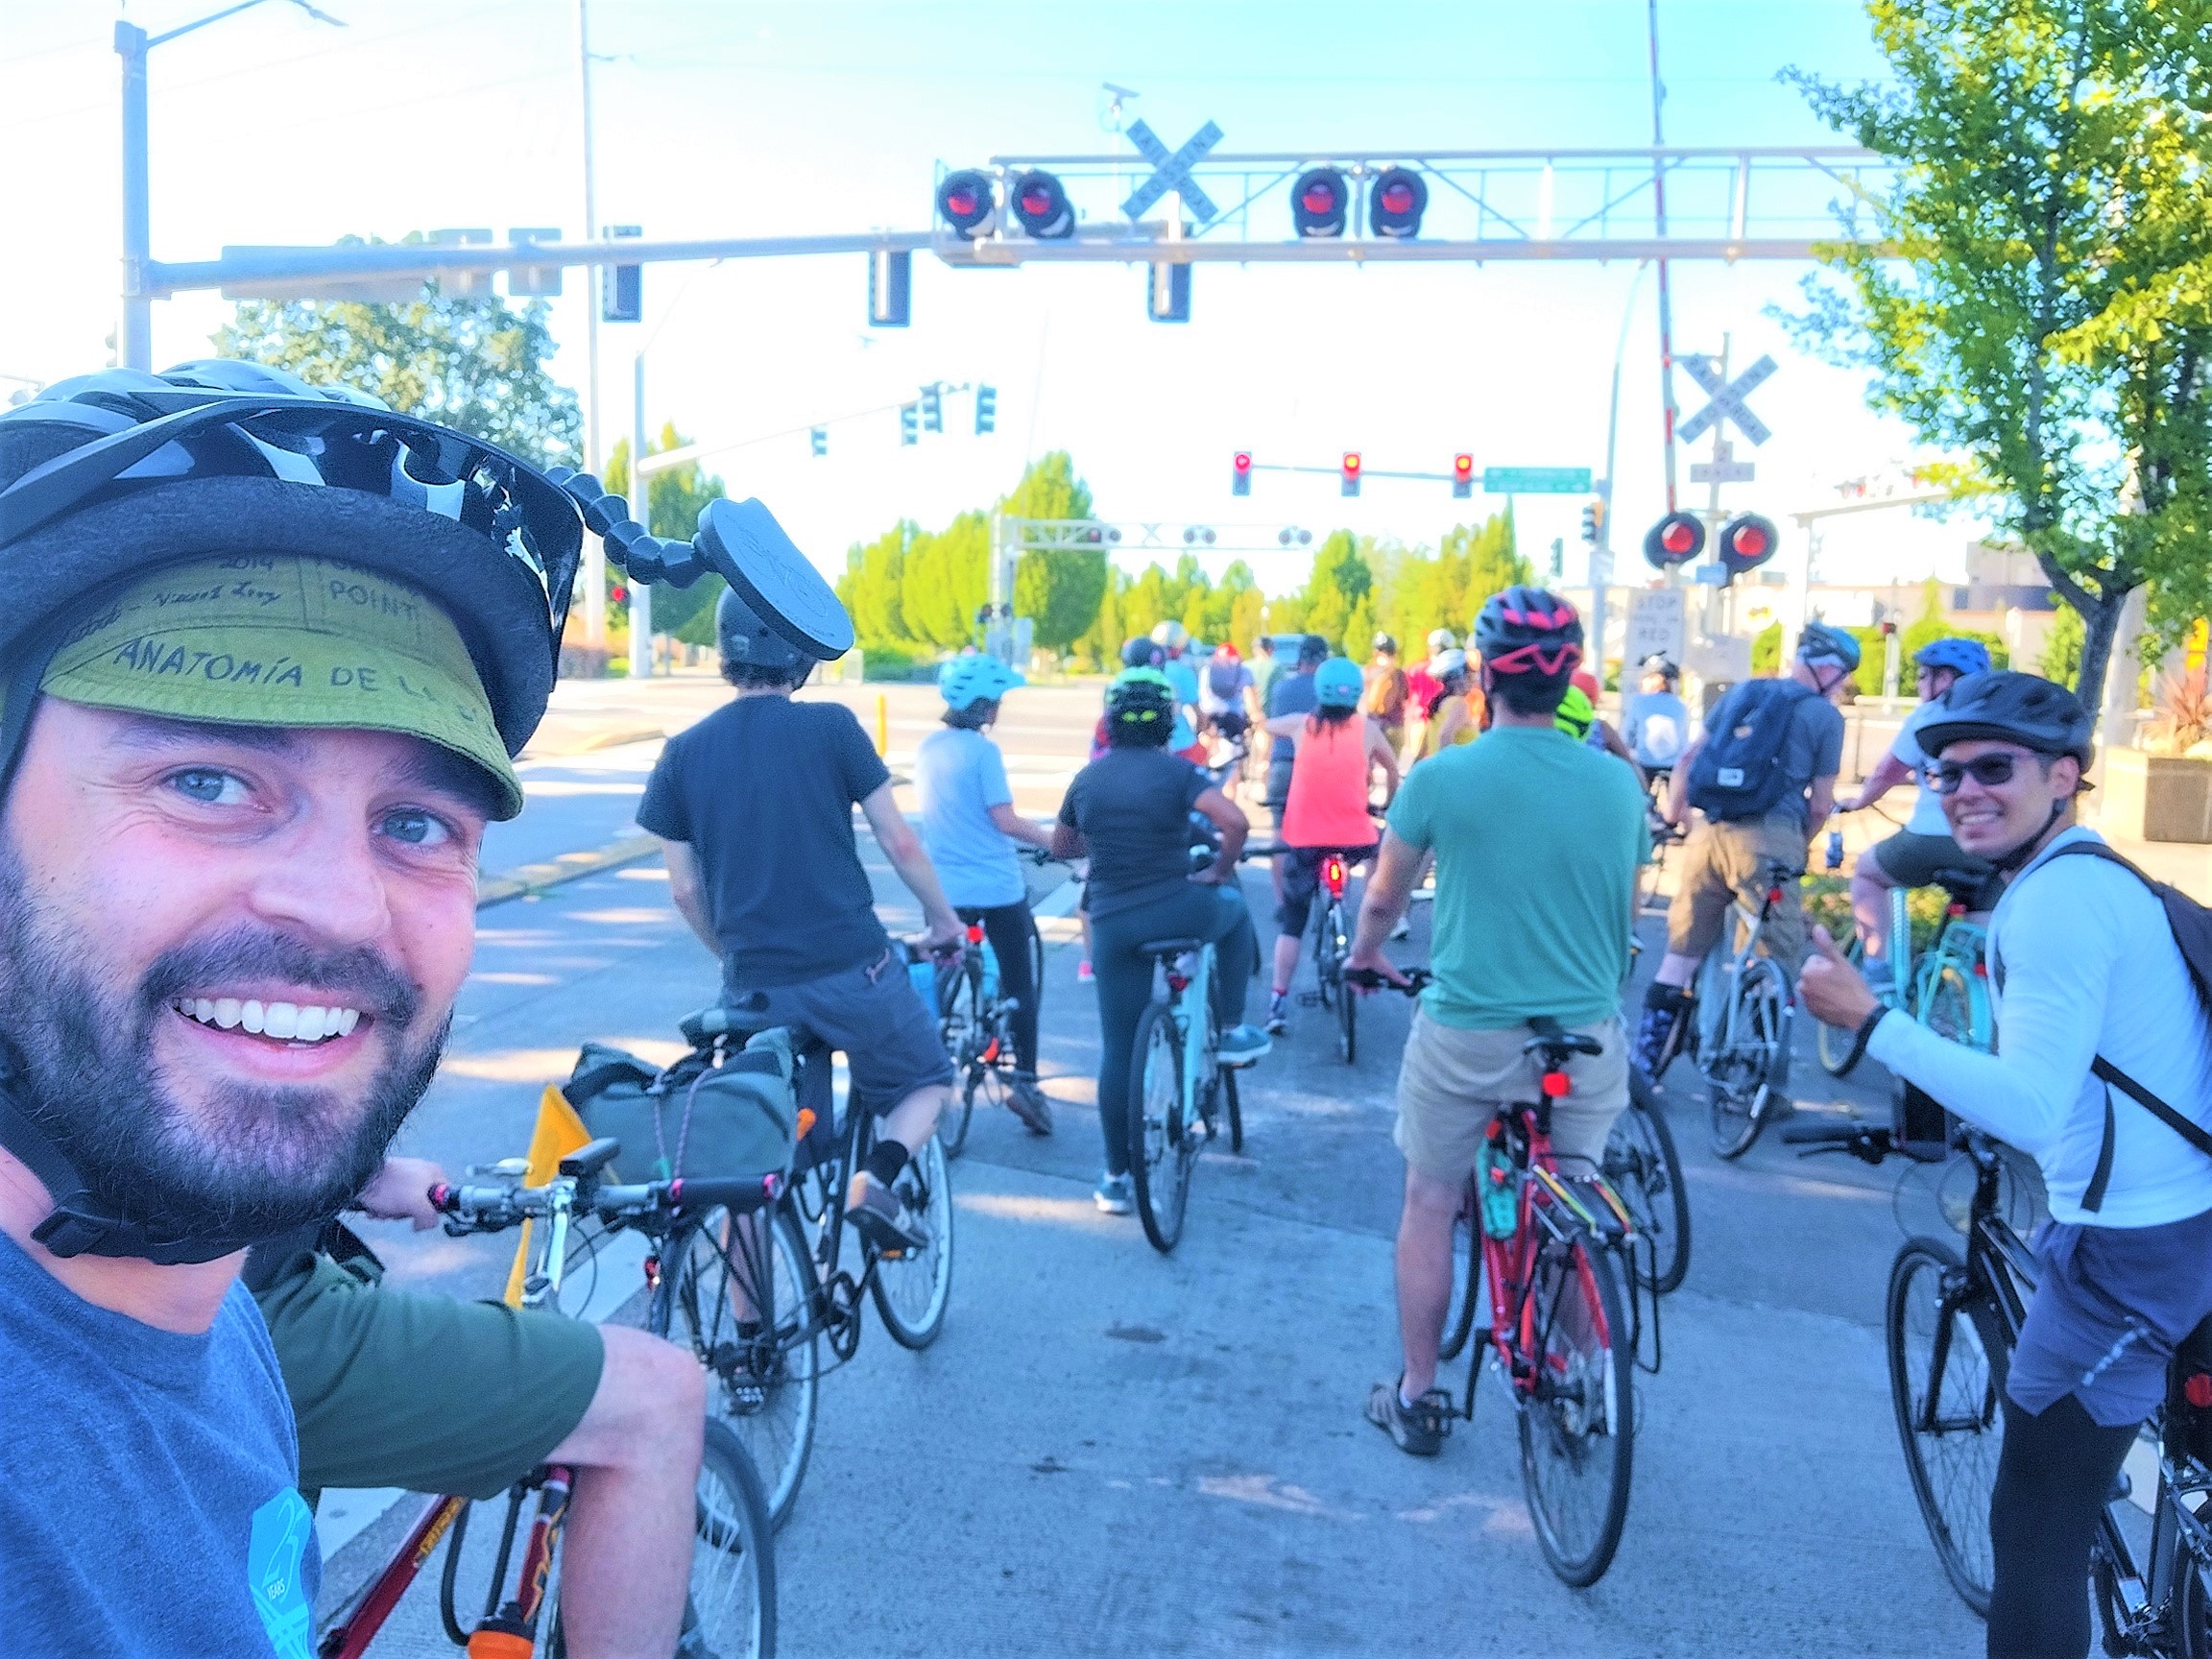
[1601,555]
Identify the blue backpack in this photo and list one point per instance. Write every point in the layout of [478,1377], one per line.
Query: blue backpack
[1737,774]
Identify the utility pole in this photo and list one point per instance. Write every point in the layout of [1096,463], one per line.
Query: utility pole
[595,456]
[134,326]
[1601,555]
[1659,228]
[641,509]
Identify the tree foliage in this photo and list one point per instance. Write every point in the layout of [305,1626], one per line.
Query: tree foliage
[676,497]
[2043,304]
[476,362]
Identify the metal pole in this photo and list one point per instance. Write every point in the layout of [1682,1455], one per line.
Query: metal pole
[1659,228]
[1601,555]
[594,554]
[135,323]
[641,509]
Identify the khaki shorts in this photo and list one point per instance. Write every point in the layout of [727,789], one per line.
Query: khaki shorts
[1724,860]
[429,1393]
[1453,1082]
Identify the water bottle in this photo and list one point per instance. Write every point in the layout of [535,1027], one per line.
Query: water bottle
[990,974]
[1834,849]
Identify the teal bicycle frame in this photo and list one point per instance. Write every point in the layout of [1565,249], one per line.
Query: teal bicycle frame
[1958,954]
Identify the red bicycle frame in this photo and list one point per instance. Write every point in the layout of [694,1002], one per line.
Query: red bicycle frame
[350,1639]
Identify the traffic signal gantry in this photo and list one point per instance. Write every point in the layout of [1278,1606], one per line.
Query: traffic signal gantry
[1351,470]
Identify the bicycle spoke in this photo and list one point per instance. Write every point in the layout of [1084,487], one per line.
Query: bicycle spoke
[1576,1412]
[1945,1382]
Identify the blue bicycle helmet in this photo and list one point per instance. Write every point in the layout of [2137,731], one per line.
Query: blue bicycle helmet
[1338,683]
[1961,657]
[1820,643]
[967,680]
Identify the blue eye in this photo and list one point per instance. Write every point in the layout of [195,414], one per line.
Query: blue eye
[416,828]
[209,788]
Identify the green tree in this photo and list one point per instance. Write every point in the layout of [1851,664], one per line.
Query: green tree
[2060,658]
[1340,581]
[675,497]
[874,574]
[1060,589]
[476,363]
[2051,313]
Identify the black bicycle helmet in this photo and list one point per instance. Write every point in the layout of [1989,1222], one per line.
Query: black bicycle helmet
[1142,653]
[1820,639]
[1528,631]
[2024,709]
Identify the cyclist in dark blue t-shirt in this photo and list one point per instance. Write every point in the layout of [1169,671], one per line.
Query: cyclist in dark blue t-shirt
[753,807]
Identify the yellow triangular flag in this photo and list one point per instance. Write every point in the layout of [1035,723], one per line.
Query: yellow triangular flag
[559,1132]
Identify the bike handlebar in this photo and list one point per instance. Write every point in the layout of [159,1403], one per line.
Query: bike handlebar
[1367,979]
[496,1208]
[1864,1141]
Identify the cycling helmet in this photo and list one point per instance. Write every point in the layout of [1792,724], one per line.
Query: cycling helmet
[1339,683]
[1446,663]
[1312,650]
[1140,696]
[1960,656]
[1820,643]
[1586,683]
[1528,631]
[967,680]
[1142,653]
[1227,652]
[1442,640]
[1384,642]
[1656,664]
[1576,712]
[1170,636]
[2024,709]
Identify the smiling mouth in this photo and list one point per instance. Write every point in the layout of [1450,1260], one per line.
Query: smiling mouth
[282,1022]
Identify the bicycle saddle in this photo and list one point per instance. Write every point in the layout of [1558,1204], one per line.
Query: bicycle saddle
[701,1028]
[1172,946]
[1551,1035]
[1977,890]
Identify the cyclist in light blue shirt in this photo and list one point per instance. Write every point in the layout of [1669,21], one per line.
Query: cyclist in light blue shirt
[971,830]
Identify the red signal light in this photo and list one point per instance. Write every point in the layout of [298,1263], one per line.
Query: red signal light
[619,594]
[1036,199]
[960,202]
[2197,1390]
[1398,196]
[1749,541]
[1678,537]
[1462,467]
[1318,198]
[1243,460]
[1352,461]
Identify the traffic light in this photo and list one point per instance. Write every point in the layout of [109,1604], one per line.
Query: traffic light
[1593,523]
[910,423]
[1317,202]
[890,288]
[932,408]
[1041,206]
[1348,473]
[1240,472]
[1293,536]
[1167,293]
[622,298]
[986,410]
[1676,539]
[1396,203]
[818,441]
[1462,476]
[1197,536]
[968,203]
[1748,541]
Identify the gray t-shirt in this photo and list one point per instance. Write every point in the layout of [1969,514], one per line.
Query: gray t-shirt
[1813,749]
[150,1505]
[1293,694]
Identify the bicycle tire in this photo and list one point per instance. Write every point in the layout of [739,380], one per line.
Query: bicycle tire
[1645,1168]
[767,1390]
[914,1291]
[961,1027]
[1838,1049]
[1735,1078]
[1580,1419]
[1953,1488]
[1325,983]
[1466,1277]
[1235,1110]
[1348,1024]
[731,1607]
[1159,1162]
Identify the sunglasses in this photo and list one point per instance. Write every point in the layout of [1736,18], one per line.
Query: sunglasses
[1987,770]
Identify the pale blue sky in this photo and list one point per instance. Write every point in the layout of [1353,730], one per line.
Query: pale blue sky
[721,118]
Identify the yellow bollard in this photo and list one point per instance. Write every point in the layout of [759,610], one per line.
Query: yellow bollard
[883,724]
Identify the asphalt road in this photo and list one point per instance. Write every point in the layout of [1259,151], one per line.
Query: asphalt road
[1112,1453]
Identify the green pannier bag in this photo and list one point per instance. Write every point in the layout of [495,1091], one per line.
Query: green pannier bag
[695,1118]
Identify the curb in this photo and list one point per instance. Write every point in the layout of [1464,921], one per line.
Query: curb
[526,881]
[599,740]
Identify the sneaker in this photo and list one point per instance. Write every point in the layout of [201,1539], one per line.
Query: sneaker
[1277,1013]
[883,1218]
[1112,1195]
[1027,1103]
[1241,1045]
[1419,1428]
[1401,928]
[1083,971]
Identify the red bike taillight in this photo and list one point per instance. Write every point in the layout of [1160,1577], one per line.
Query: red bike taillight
[974,933]
[1555,1085]
[2197,1390]
[1956,911]
[1178,983]
[1332,874]
[1773,895]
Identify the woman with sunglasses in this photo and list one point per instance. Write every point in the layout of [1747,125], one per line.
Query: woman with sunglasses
[2084,968]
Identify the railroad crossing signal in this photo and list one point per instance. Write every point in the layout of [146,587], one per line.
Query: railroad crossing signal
[1727,399]
[1748,541]
[1171,172]
[1462,477]
[1240,473]
[1349,472]
[986,410]
[932,408]
[1676,539]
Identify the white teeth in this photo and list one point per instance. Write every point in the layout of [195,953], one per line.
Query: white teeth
[250,1016]
[286,1021]
[225,1012]
[281,1019]
[348,1018]
[204,1011]
[310,1027]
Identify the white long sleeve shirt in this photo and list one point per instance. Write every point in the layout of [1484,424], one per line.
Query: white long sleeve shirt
[2089,968]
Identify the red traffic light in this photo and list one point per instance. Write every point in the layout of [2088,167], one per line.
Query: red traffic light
[1395,206]
[1349,472]
[1462,467]
[1676,539]
[1240,473]
[968,202]
[1352,462]
[1041,204]
[1243,462]
[1748,541]
[1317,202]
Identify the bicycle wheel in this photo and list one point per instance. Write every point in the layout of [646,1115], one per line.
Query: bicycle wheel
[1325,964]
[717,1280]
[1577,1416]
[1466,1277]
[1837,1046]
[1347,1023]
[1160,1150]
[1947,1365]
[1738,1077]
[1235,1110]
[731,1608]
[912,1291]
[1643,1166]
[959,1020]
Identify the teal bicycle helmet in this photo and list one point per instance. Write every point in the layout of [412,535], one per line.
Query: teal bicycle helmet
[1338,683]
[967,680]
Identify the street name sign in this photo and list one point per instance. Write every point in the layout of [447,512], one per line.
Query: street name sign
[1535,480]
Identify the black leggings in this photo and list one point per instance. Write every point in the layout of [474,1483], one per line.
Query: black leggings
[2054,1478]
[1013,934]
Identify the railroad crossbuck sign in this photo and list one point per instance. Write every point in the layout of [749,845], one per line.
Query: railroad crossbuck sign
[1727,401]
[1173,172]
